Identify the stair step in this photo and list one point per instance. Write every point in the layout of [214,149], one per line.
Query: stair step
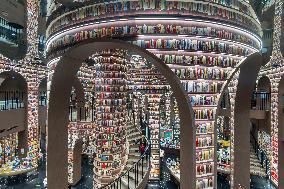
[254,161]
[131,180]
[132,145]
[126,185]
[134,148]
[134,138]
[135,154]
[130,132]
[257,173]
[133,160]
[134,135]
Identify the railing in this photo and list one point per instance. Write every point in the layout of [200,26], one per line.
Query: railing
[9,33]
[267,34]
[137,168]
[267,39]
[41,43]
[81,114]
[42,98]
[15,99]
[11,100]
[262,156]
[134,170]
[225,102]
[260,101]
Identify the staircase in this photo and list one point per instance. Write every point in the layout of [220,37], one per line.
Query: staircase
[255,166]
[136,172]
[133,136]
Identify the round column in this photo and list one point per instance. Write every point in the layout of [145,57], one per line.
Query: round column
[110,115]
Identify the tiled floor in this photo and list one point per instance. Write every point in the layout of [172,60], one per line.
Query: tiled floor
[260,183]
[87,180]
[256,183]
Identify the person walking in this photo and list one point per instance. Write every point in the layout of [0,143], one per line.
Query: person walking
[142,148]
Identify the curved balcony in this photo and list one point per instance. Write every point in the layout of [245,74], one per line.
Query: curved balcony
[13,99]
[159,29]
[117,21]
[199,10]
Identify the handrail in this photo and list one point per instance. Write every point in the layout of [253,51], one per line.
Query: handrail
[116,184]
[261,153]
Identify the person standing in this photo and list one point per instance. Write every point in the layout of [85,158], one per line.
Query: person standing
[142,148]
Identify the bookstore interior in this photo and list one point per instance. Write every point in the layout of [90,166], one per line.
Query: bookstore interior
[142,94]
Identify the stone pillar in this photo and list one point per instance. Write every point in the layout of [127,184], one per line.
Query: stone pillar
[33,129]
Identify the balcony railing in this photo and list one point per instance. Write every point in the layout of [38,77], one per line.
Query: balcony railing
[260,101]
[80,114]
[42,98]
[11,100]
[267,34]
[10,34]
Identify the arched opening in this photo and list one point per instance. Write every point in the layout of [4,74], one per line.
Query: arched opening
[13,136]
[241,84]
[224,140]
[264,84]
[261,100]
[77,102]
[260,129]
[42,110]
[76,138]
[59,100]
[225,106]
